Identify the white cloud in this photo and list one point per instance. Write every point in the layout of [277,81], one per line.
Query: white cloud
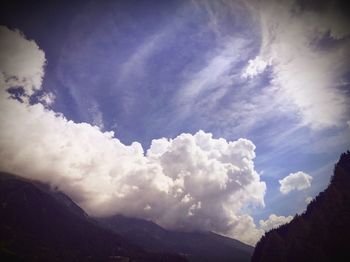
[295,181]
[306,78]
[22,59]
[274,221]
[191,182]
[306,75]
[47,99]
[308,200]
[255,66]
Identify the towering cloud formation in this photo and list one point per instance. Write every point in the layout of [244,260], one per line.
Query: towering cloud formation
[189,182]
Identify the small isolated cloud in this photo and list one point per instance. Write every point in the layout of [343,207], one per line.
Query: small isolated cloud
[295,181]
[274,221]
[255,66]
[308,200]
[191,182]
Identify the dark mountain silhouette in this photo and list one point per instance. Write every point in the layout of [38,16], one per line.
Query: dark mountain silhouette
[321,233]
[39,224]
[196,246]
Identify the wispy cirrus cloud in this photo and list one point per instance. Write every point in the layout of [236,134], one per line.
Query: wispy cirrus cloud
[306,74]
[217,72]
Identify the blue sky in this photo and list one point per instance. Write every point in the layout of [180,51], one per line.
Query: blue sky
[153,69]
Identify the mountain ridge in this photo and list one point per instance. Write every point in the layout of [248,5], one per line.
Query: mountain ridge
[39,223]
[197,246]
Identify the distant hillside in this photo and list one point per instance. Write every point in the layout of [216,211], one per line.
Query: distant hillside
[196,246]
[320,234]
[37,224]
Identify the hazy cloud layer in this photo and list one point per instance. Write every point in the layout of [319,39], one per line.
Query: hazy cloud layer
[189,182]
[295,181]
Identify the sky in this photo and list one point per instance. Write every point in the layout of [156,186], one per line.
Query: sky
[225,116]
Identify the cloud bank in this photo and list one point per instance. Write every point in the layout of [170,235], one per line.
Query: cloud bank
[191,182]
[295,181]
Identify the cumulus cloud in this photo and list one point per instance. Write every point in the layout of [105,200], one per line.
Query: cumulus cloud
[255,66]
[306,72]
[22,62]
[295,181]
[47,99]
[274,221]
[191,182]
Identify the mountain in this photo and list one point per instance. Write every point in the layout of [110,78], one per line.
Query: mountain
[196,246]
[39,224]
[319,234]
